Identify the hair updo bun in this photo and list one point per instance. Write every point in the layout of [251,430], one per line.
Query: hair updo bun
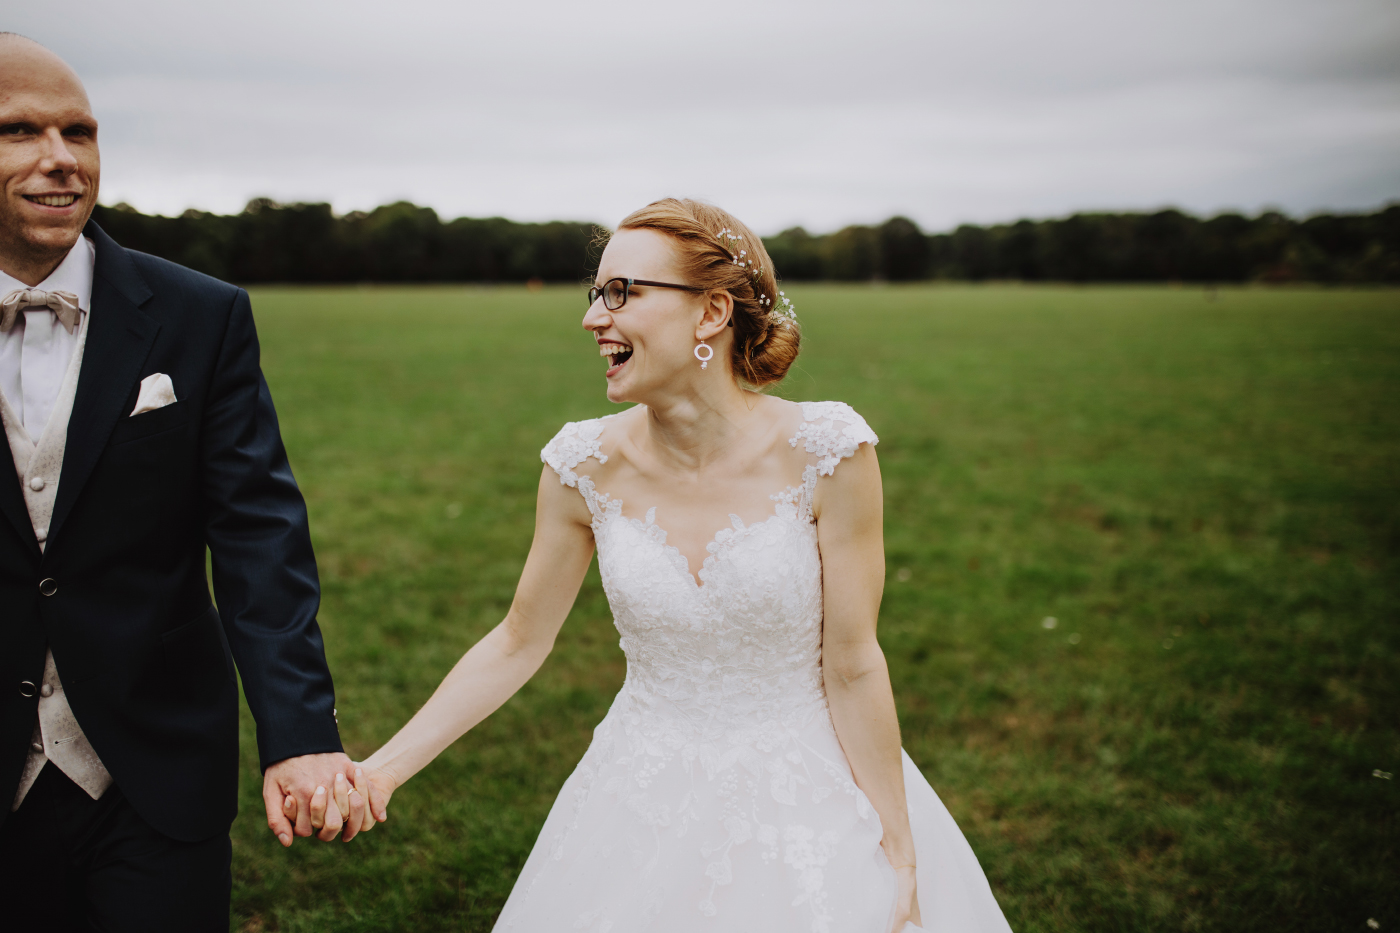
[716,252]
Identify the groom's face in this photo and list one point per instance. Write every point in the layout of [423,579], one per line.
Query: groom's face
[49,164]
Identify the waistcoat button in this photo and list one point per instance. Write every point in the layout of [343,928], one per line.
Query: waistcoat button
[48,586]
[46,691]
[36,746]
[37,484]
[26,688]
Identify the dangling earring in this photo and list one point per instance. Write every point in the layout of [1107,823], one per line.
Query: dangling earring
[709,352]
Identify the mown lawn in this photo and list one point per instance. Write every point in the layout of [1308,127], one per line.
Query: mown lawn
[1203,491]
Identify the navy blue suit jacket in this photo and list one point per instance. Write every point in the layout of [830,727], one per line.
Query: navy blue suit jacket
[146,660]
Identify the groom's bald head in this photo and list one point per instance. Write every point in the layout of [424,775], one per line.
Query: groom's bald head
[21,54]
[49,163]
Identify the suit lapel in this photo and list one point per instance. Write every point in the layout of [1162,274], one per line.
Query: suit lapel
[119,338]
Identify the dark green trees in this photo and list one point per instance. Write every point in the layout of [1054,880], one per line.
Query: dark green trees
[402,242]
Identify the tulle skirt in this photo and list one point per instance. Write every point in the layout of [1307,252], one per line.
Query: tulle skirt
[763,833]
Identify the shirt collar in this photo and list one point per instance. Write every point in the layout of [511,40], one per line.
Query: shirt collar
[74,275]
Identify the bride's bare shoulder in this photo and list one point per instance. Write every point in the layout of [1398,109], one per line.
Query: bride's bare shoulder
[782,414]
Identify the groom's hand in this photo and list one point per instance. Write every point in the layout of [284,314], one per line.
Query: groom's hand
[313,794]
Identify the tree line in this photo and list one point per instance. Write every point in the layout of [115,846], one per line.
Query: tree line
[308,243]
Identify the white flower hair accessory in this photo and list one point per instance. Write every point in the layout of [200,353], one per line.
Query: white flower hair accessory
[785,309]
[738,255]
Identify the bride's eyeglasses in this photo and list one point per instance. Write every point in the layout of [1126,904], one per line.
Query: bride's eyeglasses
[614,291]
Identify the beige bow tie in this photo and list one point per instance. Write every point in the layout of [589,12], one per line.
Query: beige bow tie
[64,305]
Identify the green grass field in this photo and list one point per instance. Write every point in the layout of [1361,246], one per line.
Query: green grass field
[1203,491]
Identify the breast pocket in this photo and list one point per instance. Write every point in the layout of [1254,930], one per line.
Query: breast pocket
[149,423]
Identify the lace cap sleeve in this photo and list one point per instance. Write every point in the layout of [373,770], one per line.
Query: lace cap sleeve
[832,431]
[575,443]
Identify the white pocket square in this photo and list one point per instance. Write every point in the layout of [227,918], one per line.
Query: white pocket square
[157,391]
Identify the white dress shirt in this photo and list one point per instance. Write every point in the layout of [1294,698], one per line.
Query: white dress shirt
[36,351]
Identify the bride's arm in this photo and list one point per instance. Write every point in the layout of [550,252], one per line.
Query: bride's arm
[500,664]
[850,528]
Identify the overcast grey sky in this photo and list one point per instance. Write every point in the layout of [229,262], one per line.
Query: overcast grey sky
[816,113]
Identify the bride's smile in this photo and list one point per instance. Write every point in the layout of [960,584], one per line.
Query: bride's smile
[618,354]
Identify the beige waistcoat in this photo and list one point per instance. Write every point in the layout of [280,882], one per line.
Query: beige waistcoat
[57,736]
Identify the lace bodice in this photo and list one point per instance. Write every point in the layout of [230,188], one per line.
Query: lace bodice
[740,655]
[716,794]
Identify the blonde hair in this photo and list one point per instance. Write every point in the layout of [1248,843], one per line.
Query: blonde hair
[765,342]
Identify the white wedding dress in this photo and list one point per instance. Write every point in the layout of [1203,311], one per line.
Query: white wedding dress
[715,795]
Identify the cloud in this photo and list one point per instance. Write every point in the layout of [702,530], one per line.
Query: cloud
[816,113]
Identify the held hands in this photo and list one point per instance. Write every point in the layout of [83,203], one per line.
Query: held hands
[377,786]
[324,794]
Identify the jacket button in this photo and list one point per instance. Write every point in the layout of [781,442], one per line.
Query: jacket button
[37,484]
[48,586]
[26,688]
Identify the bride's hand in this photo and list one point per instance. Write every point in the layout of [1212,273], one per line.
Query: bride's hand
[907,906]
[376,788]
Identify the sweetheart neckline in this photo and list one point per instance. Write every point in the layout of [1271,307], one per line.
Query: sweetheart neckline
[820,432]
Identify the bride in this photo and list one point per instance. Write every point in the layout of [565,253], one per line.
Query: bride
[749,776]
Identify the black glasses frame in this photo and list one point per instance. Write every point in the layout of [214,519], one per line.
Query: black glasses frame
[598,291]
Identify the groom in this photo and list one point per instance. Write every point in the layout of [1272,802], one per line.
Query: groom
[141,432]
